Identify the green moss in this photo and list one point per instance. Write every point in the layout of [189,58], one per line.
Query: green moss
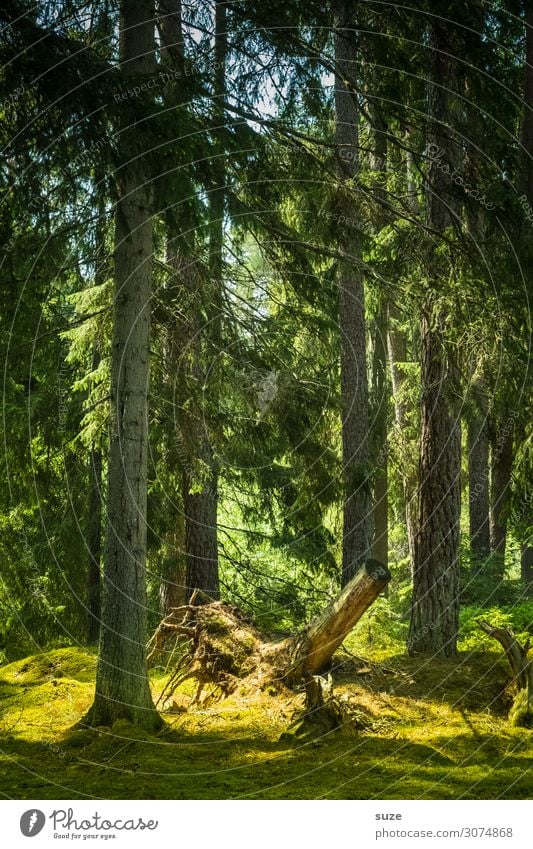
[521,714]
[437,730]
[68,662]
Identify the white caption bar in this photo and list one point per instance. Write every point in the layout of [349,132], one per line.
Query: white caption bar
[269,825]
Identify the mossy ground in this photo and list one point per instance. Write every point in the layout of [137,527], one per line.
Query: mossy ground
[439,730]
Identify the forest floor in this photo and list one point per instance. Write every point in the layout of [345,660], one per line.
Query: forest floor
[436,730]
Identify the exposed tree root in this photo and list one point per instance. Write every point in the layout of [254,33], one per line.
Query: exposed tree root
[214,644]
[218,646]
[323,713]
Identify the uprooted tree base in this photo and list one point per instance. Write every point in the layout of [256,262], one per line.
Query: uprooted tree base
[216,645]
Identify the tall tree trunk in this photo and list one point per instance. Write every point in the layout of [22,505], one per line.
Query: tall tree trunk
[397,353]
[526,566]
[501,467]
[217,195]
[94,537]
[199,476]
[478,425]
[525,181]
[435,602]
[380,548]
[172,590]
[201,502]
[192,340]
[478,480]
[380,383]
[357,511]
[94,529]
[397,350]
[201,527]
[122,688]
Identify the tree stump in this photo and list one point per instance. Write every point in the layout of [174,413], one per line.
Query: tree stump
[521,713]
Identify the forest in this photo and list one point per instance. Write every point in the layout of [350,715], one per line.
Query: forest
[266,515]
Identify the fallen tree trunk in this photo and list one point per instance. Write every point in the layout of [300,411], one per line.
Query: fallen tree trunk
[310,651]
[521,712]
[217,645]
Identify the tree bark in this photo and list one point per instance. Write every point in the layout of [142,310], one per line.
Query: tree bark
[201,539]
[94,530]
[397,351]
[94,536]
[478,479]
[435,603]
[526,564]
[310,652]
[172,589]
[170,27]
[502,456]
[217,195]
[194,450]
[525,182]
[192,341]
[357,508]
[122,688]
[201,503]
[380,383]
[380,547]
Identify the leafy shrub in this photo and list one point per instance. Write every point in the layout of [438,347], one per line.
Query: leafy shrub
[519,618]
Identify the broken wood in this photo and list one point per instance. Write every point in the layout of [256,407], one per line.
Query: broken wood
[217,645]
[310,651]
[521,665]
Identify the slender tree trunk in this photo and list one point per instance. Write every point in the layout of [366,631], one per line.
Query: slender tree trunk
[193,339]
[525,182]
[397,353]
[478,478]
[380,383]
[526,565]
[380,550]
[94,537]
[478,426]
[435,603]
[170,26]
[397,349]
[172,590]
[217,195]
[122,688]
[94,530]
[199,477]
[501,457]
[357,518]
[201,502]
[201,531]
